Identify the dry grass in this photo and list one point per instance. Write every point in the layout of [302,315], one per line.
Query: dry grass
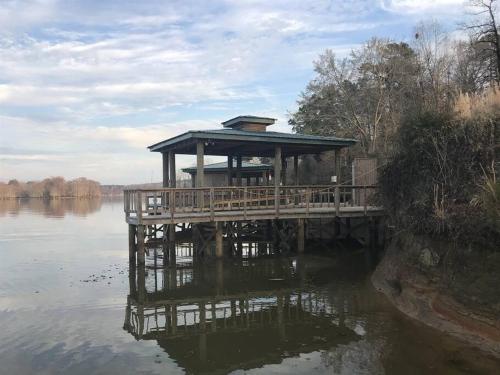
[477,106]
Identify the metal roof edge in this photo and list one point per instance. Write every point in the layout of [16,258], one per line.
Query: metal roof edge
[257,136]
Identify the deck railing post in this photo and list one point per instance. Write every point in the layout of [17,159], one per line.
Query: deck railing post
[212,196]
[138,206]
[172,203]
[337,200]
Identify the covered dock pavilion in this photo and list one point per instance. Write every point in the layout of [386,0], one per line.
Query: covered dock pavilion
[243,136]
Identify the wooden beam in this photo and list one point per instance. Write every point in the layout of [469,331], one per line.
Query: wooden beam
[165,169]
[200,174]
[171,160]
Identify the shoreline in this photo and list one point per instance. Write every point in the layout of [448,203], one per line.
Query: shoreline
[420,292]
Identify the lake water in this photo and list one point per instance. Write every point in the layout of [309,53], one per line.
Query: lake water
[69,304]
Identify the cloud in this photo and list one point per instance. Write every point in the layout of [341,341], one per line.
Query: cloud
[423,6]
[86,85]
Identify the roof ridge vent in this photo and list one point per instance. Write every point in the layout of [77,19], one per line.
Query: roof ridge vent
[249,123]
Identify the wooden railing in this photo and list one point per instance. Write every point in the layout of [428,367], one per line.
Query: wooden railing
[209,200]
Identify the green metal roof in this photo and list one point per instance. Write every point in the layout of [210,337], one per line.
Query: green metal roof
[228,134]
[222,167]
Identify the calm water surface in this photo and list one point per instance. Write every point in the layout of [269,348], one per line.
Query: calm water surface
[69,304]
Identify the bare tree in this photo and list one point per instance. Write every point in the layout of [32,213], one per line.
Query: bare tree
[484,32]
[433,48]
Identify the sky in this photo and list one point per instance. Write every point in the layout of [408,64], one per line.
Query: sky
[87,85]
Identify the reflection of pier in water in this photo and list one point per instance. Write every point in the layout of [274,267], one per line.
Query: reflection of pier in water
[234,313]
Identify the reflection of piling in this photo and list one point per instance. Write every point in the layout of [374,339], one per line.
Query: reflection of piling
[203,329]
[140,245]
[131,243]
[300,235]
[219,276]
[219,251]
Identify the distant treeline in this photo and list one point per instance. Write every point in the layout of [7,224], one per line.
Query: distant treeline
[54,187]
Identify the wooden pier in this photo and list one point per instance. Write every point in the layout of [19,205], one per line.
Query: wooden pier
[267,197]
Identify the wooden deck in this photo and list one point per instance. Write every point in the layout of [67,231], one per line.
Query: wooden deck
[198,205]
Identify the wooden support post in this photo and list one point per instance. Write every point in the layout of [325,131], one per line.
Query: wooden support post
[200,153]
[140,245]
[238,170]
[239,240]
[171,245]
[300,236]
[174,318]
[200,173]
[173,178]
[337,166]
[337,200]
[283,170]
[218,240]
[230,170]
[165,169]
[277,178]
[131,243]
[296,169]
[138,206]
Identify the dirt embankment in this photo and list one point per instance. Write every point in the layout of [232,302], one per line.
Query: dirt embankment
[447,286]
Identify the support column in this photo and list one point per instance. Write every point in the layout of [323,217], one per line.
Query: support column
[131,243]
[200,153]
[238,170]
[171,160]
[140,245]
[203,332]
[165,169]
[277,177]
[296,169]
[230,170]
[337,166]
[171,246]
[283,170]
[219,250]
[300,236]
